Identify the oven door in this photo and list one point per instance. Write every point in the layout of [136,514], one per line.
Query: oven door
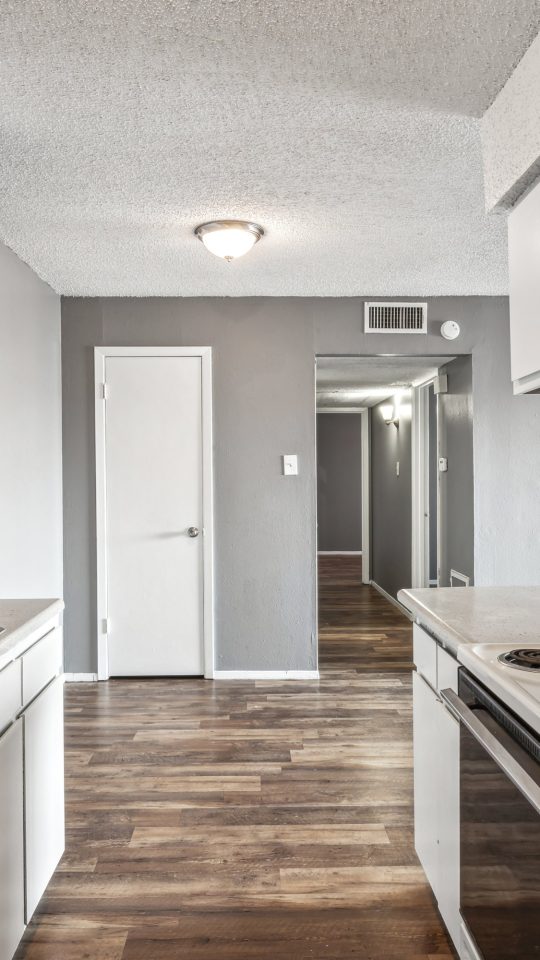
[500,825]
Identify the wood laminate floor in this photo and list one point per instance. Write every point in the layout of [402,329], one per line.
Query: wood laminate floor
[248,821]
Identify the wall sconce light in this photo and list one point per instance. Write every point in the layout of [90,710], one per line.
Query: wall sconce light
[390,414]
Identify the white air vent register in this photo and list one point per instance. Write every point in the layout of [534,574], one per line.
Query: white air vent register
[395,318]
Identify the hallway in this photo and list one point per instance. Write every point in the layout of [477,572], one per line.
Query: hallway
[247,821]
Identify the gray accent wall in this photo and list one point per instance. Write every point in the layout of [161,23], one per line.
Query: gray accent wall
[31,432]
[391,512]
[457,484]
[264,405]
[339,481]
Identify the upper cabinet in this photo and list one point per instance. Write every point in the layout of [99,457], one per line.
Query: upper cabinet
[524,264]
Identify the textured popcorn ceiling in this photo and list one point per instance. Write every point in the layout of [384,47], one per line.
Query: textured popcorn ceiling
[348,128]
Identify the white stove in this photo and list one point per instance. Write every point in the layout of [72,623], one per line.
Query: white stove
[511,674]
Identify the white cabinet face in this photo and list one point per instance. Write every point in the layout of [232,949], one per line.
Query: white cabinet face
[425,654]
[11,841]
[436,798]
[425,717]
[523,259]
[41,663]
[44,788]
[448,788]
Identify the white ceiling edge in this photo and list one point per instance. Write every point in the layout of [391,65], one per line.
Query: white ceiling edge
[341,409]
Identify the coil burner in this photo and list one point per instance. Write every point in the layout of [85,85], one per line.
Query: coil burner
[521,659]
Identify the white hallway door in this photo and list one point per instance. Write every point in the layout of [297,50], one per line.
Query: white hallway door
[154,515]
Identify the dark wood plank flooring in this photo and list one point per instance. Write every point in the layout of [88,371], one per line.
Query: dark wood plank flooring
[248,821]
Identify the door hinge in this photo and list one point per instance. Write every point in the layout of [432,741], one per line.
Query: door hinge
[104,391]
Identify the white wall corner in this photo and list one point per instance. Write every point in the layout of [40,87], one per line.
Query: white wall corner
[510,134]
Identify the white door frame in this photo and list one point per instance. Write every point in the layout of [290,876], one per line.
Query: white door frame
[363,412]
[100,356]
[365,440]
[420,485]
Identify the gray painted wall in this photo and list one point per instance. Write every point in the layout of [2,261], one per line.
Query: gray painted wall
[391,517]
[339,481]
[456,486]
[264,403]
[264,523]
[31,431]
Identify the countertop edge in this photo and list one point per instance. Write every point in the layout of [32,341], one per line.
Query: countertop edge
[15,642]
[423,615]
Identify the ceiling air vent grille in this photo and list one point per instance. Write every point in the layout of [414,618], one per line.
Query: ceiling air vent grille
[395,318]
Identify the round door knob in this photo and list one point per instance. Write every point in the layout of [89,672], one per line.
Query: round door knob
[193,531]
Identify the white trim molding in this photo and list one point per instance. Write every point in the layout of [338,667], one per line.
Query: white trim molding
[365,440]
[341,409]
[266,674]
[100,355]
[461,577]
[340,553]
[391,599]
[527,384]
[80,677]
[419,486]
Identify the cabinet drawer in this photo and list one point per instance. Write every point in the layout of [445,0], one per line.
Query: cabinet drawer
[447,671]
[41,663]
[10,693]
[425,655]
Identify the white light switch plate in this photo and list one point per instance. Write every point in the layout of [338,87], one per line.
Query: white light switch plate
[290,464]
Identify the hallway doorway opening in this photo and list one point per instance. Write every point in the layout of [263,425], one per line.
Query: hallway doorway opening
[394,483]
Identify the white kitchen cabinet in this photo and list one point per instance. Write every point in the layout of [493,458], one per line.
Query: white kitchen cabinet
[11,841]
[523,260]
[44,790]
[436,778]
[447,891]
[425,748]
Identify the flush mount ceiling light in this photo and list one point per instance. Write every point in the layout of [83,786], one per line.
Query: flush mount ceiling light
[229,239]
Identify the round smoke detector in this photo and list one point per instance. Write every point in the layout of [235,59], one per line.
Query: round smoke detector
[450,330]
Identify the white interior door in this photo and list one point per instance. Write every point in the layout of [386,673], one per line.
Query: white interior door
[153,494]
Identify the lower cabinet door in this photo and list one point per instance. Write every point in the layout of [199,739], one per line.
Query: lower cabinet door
[11,841]
[44,790]
[426,764]
[448,780]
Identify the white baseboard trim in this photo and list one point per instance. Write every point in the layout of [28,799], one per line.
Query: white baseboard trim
[339,553]
[266,674]
[80,677]
[393,600]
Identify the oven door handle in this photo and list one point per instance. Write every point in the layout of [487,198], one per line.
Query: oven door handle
[502,757]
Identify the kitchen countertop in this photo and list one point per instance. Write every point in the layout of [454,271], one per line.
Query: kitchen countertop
[22,618]
[470,615]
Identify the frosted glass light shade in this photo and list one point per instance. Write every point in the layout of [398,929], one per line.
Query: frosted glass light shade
[387,411]
[229,239]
